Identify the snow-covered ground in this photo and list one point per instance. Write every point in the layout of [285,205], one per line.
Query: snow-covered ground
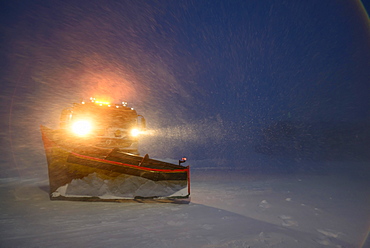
[229,208]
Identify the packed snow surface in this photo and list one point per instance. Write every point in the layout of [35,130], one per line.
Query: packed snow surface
[229,208]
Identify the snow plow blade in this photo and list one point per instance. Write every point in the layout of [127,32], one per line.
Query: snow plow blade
[88,173]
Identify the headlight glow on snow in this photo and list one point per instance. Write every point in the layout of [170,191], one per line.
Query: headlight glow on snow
[81,127]
[135,132]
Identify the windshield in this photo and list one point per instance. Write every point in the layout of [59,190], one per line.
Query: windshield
[107,117]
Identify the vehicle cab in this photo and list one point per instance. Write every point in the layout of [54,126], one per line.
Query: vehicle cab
[104,124]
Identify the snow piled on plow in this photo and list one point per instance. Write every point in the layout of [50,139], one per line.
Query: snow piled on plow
[122,187]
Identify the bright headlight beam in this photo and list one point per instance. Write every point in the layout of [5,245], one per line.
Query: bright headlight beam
[135,132]
[81,127]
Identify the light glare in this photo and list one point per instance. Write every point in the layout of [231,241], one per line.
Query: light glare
[135,132]
[81,127]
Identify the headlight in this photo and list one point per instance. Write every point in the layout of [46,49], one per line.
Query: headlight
[81,127]
[135,132]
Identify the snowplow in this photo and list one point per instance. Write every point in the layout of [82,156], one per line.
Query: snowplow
[93,156]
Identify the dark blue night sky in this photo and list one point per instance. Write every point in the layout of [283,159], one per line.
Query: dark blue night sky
[211,77]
